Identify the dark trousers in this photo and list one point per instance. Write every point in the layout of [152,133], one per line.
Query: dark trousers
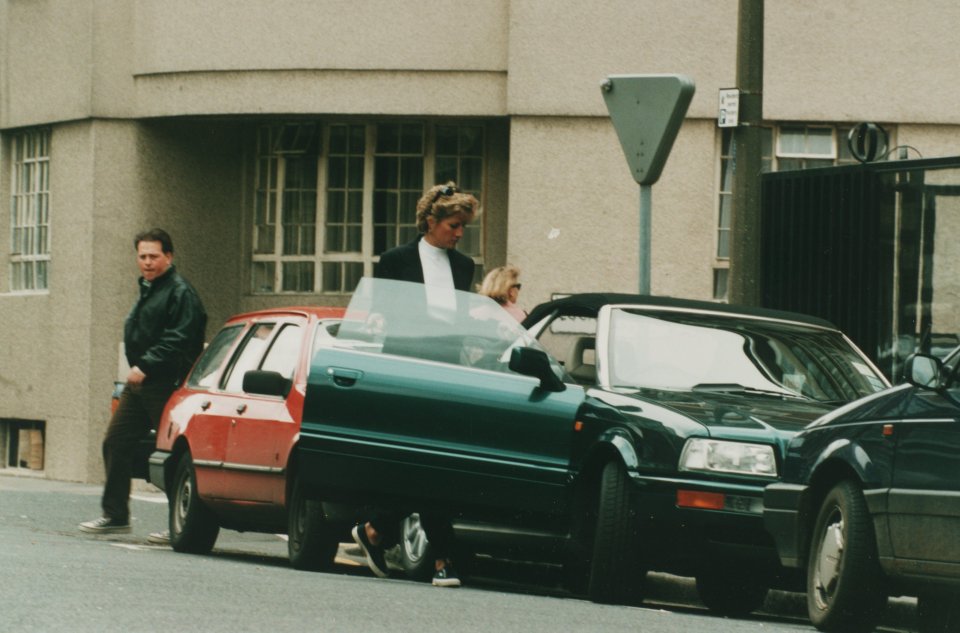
[138,411]
[437,527]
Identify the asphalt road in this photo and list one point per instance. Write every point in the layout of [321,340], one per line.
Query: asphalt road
[56,578]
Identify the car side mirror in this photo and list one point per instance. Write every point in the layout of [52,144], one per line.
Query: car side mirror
[534,362]
[923,371]
[266,383]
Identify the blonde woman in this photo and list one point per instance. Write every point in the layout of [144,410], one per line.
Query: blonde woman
[502,284]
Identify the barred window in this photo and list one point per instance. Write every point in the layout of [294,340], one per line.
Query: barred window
[329,199]
[30,211]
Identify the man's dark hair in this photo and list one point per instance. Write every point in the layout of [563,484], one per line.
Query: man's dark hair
[155,235]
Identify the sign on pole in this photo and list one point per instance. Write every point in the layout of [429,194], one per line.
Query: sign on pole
[728,114]
[647,111]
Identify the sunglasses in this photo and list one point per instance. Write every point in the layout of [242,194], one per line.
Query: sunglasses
[445,192]
[517,286]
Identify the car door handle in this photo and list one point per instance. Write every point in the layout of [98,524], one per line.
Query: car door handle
[344,377]
[241,408]
[204,405]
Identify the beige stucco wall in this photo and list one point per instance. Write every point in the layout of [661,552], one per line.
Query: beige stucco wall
[583,237]
[561,50]
[861,60]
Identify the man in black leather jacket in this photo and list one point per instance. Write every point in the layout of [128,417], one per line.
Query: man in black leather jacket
[163,335]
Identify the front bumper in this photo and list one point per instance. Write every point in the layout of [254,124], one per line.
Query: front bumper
[696,522]
[782,515]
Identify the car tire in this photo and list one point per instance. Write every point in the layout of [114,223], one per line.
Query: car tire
[937,613]
[614,576]
[193,527]
[312,543]
[732,593]
[845,591]
[415,553]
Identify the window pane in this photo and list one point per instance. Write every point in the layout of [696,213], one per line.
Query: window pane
[388,138]
[355,171]
[355,206]
[405,210]
[248,357]
[820,141]
[331,277]
[446,140]
[387,174]
[204,374]
[720,276]
[446,169]
[411,139]
[336,206]
[382,239]
[263,275]
[791,140]
[723,243]
[411,173]
[470,243]
[284,351]
[298,276]
[787,164]
[337,171]
[471,140]
[338,139]
[725,203]
[354,239]
[471,174]
[334,243]
[358,139]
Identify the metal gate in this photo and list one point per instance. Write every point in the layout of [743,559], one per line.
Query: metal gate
[872,249]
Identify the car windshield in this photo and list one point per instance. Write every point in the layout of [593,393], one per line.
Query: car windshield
[703,351]
[409,319]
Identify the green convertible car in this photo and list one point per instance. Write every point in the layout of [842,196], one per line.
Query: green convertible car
[632,433]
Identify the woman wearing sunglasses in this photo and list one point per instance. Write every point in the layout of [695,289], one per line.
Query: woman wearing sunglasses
[502,284]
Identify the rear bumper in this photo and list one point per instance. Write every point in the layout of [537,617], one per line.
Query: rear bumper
[157,466]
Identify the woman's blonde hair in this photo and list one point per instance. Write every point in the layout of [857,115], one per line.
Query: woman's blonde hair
[442,201]
[498,282]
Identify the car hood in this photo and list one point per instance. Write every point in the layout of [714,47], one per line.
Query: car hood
[736,415]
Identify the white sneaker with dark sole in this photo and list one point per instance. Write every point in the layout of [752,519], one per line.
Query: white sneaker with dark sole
[105,525]
[159,538]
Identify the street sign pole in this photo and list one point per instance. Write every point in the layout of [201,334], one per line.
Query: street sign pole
[647,112]
[646,224]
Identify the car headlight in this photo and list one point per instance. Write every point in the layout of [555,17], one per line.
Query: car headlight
[722,456]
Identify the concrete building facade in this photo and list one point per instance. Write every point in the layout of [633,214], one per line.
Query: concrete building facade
[283,142]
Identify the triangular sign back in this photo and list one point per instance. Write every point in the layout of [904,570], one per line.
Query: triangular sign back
[647,112]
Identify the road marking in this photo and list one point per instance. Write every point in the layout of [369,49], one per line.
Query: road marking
[150,499]
[137,548]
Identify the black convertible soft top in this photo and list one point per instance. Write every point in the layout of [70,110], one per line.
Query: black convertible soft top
[588,304]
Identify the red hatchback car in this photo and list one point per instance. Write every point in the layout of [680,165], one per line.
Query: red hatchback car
[225,444]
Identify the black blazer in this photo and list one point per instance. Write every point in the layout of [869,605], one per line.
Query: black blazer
[403,263]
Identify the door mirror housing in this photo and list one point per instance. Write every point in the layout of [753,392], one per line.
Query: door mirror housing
[534,362]
[922,370]
[266,383]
